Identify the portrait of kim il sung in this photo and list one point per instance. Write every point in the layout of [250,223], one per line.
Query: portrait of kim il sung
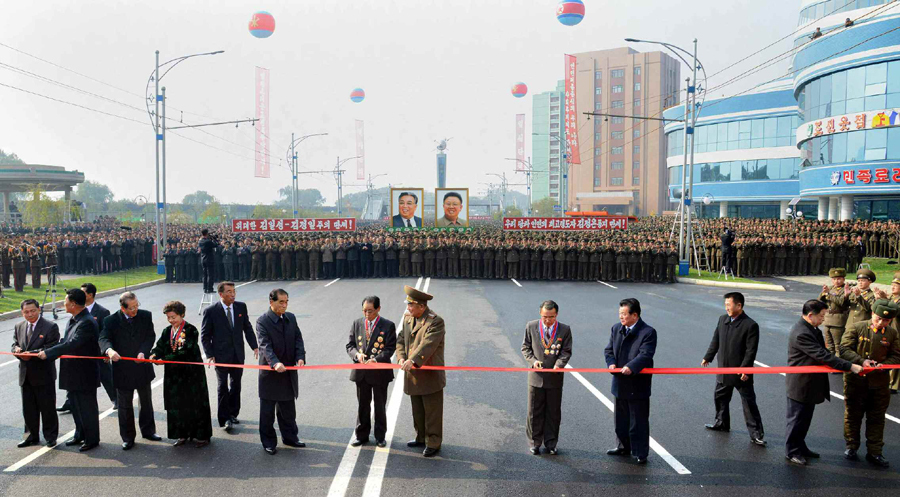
[451,207]
[406,207]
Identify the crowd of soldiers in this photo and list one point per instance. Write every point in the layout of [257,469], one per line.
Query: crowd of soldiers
[82,248]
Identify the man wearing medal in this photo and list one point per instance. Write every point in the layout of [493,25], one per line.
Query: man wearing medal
[421,343]
[372,339]
[547,345]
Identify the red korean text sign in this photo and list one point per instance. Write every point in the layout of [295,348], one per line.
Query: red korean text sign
[292,225]
[564,223]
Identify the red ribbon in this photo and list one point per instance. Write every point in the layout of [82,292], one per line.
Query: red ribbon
[382,365]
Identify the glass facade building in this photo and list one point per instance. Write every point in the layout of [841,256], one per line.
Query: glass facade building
[547,117]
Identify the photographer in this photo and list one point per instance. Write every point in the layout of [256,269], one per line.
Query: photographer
[208,244]
[727,239]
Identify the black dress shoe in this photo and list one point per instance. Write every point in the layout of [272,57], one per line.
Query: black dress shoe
[878,460]
[179,442]
[26,443]
[851,455]
[381,443]
[234,420]
[357,442]
[87,447]
[51,443]
[115,406]
[415,443]
[640,459]
[127,445]
[758,441]
[430,452]
[811,455]
[798,460]
[154,438]
[618,451]
[73,442]
[201,443]
[554,451]
[535,451]
[271,450]
[717,427]
[229,426]
[298,444]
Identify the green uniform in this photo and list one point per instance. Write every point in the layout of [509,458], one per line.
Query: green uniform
[836,317]
[868,395]
[860,307]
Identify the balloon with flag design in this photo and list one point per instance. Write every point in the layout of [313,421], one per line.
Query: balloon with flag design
[357,95]
[570,12]
[262,24]
[519,90]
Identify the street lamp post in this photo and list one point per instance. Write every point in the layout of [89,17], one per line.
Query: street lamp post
[691,112]
[160,143]
[292,159]
[529,169]
[338,176]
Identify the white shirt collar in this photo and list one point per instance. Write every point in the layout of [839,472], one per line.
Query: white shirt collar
[90,308]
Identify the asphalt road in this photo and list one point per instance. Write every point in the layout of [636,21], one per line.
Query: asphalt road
[485,449]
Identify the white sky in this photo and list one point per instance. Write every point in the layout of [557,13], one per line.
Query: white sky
[430,69]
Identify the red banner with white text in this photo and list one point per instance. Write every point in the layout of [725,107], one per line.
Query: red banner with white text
[565,223]
[574,155]
[262,124]
[292,225]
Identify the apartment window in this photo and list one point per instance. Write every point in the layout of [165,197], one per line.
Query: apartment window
[617,165]
[616,181]
[596,181]
[637,133]
[618,104]
[637,87]
[596,165]
[598,74]
[637,102]
[617,120]
[554,100]
[597,106]
[636,165]
[617,73]
[617,89]
[636,150]
[618,150]
[554,125]
[636,180]
[637,70]
[598,91]
[554,108]
[597,151]
[618,135]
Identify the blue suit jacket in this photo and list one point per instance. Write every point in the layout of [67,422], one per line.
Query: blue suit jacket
[635,351]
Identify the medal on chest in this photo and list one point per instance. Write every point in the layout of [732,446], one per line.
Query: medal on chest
[550,345]
[177,338]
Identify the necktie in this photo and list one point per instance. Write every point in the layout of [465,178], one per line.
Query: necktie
[407,222]
[30,332]
[547,333]
[369,326]
[228,315]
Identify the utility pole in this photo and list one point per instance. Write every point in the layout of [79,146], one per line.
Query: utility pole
[339,175]
[292,160]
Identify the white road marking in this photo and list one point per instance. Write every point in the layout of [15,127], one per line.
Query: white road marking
[607,284]
[659,449]
[43,450]
[341,480]
[516,282]
[9,362]
[836,395]
[331,282]
[247,283]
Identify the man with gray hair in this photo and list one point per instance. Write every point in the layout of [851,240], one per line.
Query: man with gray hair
[129,333]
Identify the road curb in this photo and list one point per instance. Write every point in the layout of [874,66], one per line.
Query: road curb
[726,284]
[15,314]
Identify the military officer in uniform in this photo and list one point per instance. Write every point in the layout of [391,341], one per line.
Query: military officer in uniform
[861,298]
[547,345]
[835,296]
[373,339]
[869,344]
[421,343]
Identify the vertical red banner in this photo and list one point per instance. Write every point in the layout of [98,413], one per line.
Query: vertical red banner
[262,125]
[520,142]
[571,113]
[360,151]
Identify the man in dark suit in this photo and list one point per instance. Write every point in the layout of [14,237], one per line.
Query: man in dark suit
[99,313]
[130,333]
[547,345]
[806,347]
[79,377]
[222,332]
[632,344]
[372,339]
[735,341]
[207,259]
[36,377]
[281,344]
[407,203]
